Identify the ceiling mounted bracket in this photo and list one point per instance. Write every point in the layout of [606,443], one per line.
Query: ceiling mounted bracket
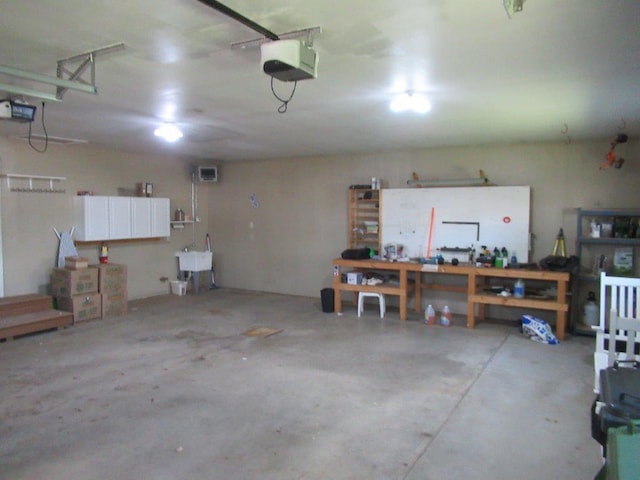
[87,60]
[308,32]
[74,82]
[513,6]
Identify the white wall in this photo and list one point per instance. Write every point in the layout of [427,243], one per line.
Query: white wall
[301,221]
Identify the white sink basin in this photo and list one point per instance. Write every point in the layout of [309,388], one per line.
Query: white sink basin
[194,261]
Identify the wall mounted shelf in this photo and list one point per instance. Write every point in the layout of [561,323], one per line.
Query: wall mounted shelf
[30,179]
[179,224]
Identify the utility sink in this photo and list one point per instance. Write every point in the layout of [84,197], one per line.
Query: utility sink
[194,261]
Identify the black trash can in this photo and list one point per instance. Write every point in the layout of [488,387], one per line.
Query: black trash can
[327,297]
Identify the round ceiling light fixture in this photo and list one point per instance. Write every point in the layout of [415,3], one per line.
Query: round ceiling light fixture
[410,101]
[168,132]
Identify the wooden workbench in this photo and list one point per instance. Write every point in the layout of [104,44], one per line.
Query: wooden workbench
[476,278]
[559,304]
[401,289]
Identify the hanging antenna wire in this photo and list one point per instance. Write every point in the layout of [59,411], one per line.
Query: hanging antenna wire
[46,135]
[283,108]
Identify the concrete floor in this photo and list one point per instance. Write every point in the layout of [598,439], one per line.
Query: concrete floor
[175,391]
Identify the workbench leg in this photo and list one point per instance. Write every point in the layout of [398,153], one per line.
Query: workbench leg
[337,292]
[471,317]
[471,310]
[337,300]
[403,295]
[418,291]
[561,324]
[561,316]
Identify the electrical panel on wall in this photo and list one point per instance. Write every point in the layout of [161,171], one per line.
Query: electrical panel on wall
[207,173]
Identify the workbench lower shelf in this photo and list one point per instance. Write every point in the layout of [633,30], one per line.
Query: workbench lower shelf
[476,277]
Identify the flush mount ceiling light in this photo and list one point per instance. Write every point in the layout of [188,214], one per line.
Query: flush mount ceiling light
[410,101]
[168,132]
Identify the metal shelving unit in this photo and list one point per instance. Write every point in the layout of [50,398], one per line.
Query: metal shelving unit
[590,249]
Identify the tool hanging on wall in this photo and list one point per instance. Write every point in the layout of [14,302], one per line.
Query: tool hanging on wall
[560,246]
[611,159]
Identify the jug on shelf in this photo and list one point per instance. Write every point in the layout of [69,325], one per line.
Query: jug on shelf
[591,310]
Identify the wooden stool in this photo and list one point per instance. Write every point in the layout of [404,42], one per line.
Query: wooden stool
[379,296]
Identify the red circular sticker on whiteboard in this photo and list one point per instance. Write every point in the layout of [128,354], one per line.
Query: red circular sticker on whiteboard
[506,219]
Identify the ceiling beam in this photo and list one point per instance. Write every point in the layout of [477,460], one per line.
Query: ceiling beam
[240,18]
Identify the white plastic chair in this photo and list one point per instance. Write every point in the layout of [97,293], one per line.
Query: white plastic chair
[379,296]
[619,313]
[627,332]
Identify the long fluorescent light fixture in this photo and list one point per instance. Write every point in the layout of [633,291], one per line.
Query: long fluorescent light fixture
[38,137]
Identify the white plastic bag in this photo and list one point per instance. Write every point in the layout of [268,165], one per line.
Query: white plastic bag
[538,330]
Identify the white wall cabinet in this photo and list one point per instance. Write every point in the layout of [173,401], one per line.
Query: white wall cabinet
[160,217]
[98,218]
[141,217]
[119,218]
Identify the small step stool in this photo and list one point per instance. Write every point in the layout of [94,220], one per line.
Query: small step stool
[379,296]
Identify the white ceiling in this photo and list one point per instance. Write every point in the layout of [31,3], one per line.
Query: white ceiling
[557,71]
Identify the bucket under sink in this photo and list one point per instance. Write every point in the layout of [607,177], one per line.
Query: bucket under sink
[194,261]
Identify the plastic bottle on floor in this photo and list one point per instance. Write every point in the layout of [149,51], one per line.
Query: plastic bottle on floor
[445,317]
[430,316]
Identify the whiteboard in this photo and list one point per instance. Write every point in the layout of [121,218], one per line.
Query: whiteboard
[459,216]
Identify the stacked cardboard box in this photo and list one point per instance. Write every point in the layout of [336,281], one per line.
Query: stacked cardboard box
[112,285]
[75,289]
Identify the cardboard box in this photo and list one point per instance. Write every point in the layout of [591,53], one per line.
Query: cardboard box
[76,263]
[623,262]
[84,307]
[354,278]
[114,305]
[112,278]
[66,283]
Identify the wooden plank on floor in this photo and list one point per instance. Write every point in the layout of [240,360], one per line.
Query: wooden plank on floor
[33,322]
[20,304]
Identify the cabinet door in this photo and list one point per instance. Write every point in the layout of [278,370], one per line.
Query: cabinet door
[141,217]
[160,217]
[91,218]
[119,218]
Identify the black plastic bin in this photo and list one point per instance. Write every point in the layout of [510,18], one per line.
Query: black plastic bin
[327,297]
